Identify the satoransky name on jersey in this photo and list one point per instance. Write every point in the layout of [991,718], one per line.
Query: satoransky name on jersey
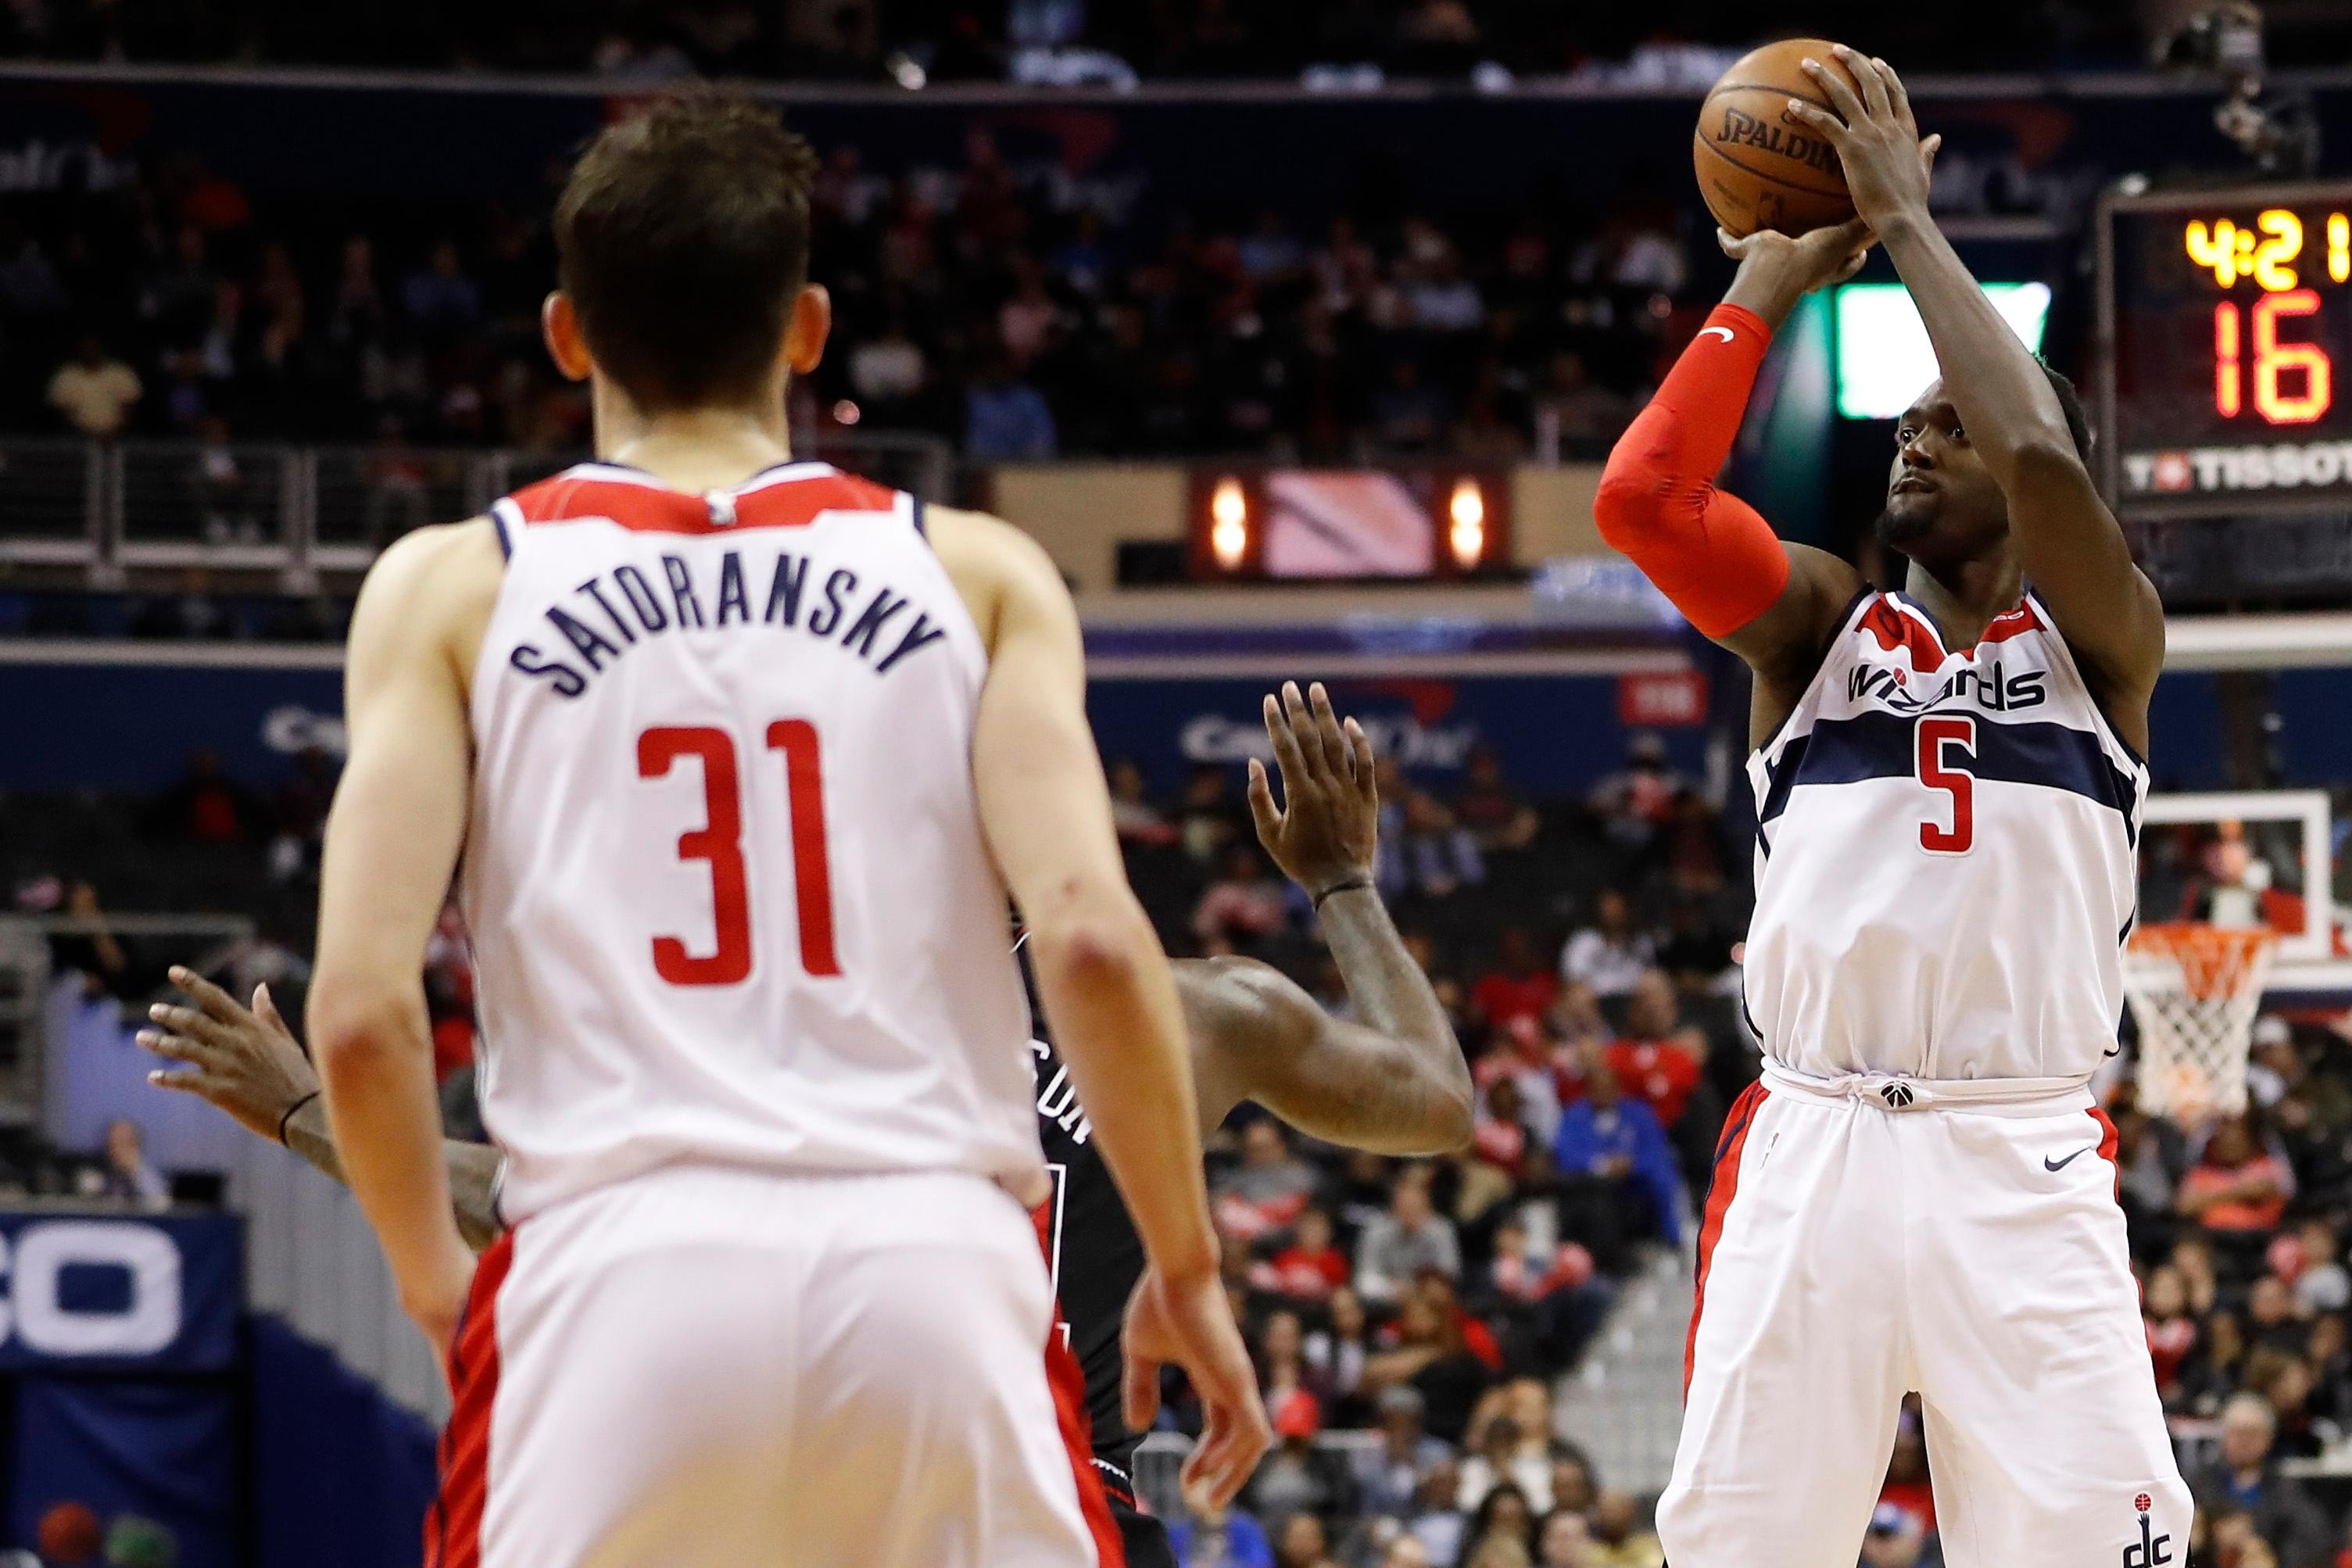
[613,611]
[1994,690]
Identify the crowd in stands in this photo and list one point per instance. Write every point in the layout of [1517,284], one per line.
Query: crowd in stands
[1051,42]
[1585,952]
[972,303]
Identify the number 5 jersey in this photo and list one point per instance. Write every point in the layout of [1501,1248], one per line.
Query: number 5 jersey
[1945,860]
[726,879]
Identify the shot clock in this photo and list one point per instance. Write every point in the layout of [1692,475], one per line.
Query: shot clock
[2225,316]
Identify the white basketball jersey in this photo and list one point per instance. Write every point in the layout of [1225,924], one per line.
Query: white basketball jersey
[725,879]
[1945,860]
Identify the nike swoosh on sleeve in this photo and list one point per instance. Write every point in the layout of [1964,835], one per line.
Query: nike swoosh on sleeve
[1725,332]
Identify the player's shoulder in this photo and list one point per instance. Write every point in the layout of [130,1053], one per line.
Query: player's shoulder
[423,553]
[431,579]
[986,542]
[994,566]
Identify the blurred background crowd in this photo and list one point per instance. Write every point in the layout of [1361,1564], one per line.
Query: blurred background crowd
[1413,1321]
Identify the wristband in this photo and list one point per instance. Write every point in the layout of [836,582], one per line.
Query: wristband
[1345,885]
[290,1115]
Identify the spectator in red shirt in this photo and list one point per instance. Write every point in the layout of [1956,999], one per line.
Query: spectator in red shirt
[208,806]
[2171,1329]
[1520,987]
[1494,813]
[1310,1267]
[1907,1486]
[2237,1184]
[1269,1189]
[1240,909]
[1659,1061]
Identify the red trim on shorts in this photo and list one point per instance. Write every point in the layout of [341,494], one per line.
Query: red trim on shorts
[2109,1141]
[1722,1187]
[453,1527]
[1068,1381]
[655,509]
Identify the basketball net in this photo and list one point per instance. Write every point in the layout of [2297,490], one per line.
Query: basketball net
[2195,989]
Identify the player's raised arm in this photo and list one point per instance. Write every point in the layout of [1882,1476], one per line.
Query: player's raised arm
[392,841]
[2073,550]
[246,1061]
[1710,552]
[1045,812]
[1394,1082]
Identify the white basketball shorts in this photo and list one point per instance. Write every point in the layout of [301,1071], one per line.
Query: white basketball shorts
[1871,1236]
[717,1369]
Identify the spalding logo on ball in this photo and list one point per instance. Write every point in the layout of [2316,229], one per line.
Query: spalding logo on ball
[1758,167]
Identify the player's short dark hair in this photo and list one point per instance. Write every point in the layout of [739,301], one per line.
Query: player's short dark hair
[2069,402]
[682,237]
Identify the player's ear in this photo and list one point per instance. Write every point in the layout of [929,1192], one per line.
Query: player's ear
[805,335]
[559,325]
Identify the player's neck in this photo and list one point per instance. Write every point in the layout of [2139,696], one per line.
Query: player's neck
[1965,598]
[693,448]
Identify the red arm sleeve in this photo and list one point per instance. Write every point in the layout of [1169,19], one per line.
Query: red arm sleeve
[1706,551]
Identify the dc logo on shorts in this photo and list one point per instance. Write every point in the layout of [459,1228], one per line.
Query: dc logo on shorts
[2149,1550]
[1896,1095]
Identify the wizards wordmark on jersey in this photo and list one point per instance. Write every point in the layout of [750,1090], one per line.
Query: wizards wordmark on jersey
[1946,858]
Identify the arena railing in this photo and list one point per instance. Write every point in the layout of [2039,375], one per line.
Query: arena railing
[302,510]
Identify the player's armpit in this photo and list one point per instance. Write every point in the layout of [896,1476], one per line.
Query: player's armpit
[1257,1035]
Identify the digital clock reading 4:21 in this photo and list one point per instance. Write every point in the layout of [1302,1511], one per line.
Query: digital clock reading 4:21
[2226,319]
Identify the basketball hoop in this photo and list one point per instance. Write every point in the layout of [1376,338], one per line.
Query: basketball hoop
[2195,989]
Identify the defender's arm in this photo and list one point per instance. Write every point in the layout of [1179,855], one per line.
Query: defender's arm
[2073,549]
[247,1062]
[1396,1082]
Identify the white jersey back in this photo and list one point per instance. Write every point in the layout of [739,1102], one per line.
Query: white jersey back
[1945,860]
[725,876]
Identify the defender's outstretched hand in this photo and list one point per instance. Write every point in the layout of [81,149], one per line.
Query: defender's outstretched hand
[246,1061]
[1327,825]
[1877,140]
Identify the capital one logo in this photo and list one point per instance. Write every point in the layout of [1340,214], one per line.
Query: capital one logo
[34,1309]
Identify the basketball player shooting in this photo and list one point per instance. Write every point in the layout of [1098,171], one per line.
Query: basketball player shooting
[1392,1079]
[1919,1195]
[736,761]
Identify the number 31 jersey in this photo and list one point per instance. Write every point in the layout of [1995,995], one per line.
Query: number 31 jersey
[1945,857]
[725,876]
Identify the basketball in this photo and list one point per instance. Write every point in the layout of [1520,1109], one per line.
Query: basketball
[1757,166]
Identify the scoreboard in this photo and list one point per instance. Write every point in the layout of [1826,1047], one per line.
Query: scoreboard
[2225,324]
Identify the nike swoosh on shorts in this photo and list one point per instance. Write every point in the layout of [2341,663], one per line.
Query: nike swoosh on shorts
[2050,1165]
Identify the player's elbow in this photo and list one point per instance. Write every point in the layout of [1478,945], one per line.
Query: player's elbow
[1643,489]
[357,1028]
[1630,505]
[2041,454]
[1098,941]
[1443,1125]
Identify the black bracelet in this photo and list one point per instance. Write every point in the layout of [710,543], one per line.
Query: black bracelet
[1345,885]
[290,1115]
